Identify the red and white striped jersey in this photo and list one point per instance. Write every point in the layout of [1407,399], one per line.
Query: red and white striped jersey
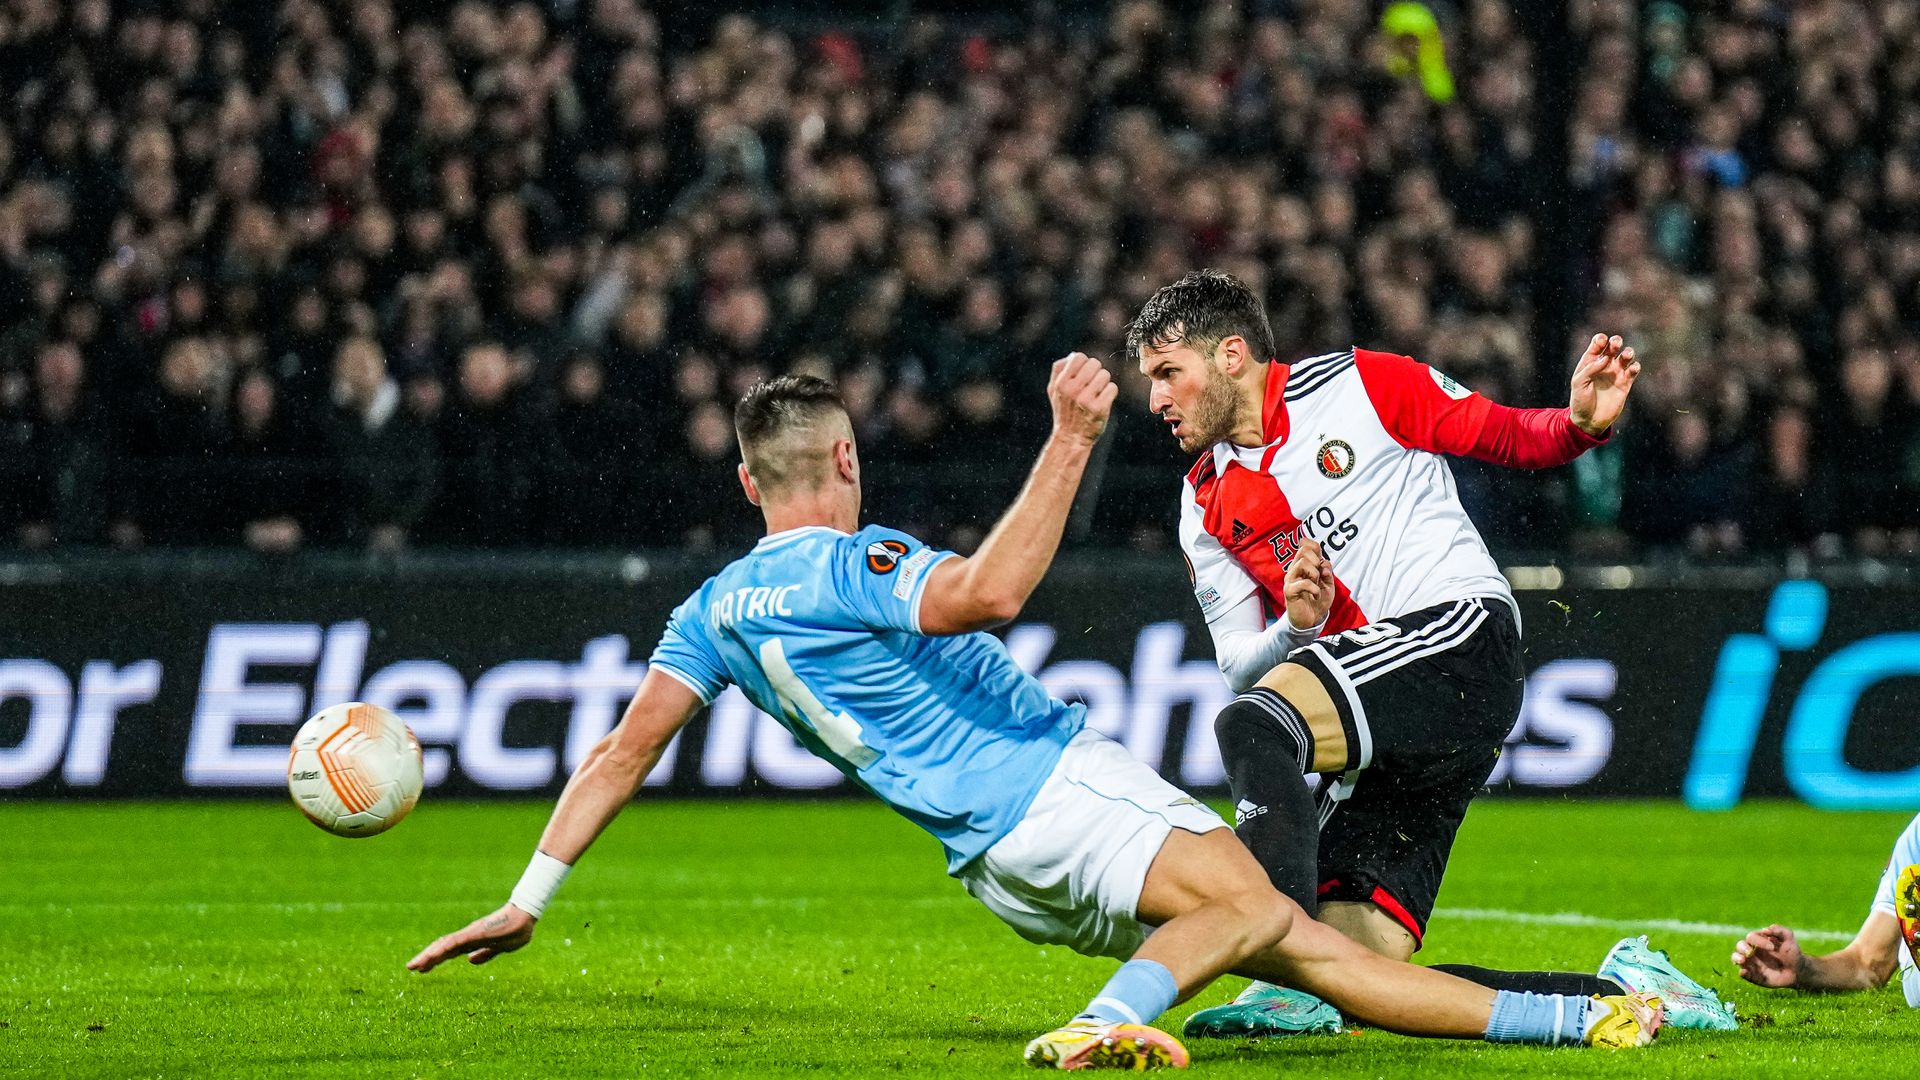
[1351,460]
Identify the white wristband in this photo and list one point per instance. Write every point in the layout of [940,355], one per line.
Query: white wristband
[1298,638]
[543,878]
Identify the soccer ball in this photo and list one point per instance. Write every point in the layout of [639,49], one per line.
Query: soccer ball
[355,770]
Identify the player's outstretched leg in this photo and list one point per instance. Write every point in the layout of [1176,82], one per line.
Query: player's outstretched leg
[1646,970]
[1195,874]
[1412,1000]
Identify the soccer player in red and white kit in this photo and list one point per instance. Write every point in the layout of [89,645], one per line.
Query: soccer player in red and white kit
[1357,612]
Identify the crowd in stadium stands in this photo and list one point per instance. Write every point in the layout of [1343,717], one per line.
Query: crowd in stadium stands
[1753,181]
[387,273]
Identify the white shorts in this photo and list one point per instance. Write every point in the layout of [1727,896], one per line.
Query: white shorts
[1071,872]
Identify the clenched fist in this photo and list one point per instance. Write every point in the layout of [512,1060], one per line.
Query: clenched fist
[1082,394]
[1309,586]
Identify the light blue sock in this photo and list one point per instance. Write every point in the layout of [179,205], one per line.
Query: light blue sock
[1549,1019]
[1138,992]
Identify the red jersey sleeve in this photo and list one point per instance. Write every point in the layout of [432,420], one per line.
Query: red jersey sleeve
[1424,409]
[1532,438]
[1420,407]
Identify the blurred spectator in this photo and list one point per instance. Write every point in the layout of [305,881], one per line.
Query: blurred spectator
[266,479]
[639,362]
[699,493]
[1866,431]
[1794,503]
[595,494]
[52,454]
[384,459]
[173,438]
[493,441]
[1688,492]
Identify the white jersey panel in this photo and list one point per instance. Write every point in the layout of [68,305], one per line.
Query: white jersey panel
[1218,581]
[1411,544]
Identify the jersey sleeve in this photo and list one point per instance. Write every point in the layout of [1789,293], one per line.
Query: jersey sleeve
[687,653]
[1425,409]
[1219,582]
[881,575]
[1421,407]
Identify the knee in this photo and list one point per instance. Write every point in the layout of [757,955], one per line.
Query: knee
[1267,914]
[1262,716]
[1235,721]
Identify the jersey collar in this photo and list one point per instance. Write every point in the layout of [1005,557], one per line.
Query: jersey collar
[787,536]
[1273,424]
[1273,411]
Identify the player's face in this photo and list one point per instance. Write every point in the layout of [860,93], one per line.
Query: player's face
[1190,392]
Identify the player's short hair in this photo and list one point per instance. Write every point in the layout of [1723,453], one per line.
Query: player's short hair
[787,427]
[1202,309]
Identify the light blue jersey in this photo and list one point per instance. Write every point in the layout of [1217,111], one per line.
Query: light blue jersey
[821,630]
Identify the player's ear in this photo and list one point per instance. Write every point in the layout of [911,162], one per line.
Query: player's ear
[747,485]
[846,461]
[1235,357]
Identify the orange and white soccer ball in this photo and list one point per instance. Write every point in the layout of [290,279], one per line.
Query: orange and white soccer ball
[355,770]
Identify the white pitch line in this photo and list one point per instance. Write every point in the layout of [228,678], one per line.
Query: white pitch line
[1531,918]
[1574,918]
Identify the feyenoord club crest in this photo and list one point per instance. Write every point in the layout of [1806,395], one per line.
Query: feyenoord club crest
[1335,459]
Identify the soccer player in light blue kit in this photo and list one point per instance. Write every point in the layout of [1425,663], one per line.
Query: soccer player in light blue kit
[865,644]
[1887,941]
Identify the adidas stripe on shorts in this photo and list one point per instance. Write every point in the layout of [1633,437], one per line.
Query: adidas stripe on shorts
[1426,699]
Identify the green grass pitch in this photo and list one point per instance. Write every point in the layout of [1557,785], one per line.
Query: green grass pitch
[234,939]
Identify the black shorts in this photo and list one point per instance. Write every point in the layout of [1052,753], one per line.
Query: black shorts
[1426,699]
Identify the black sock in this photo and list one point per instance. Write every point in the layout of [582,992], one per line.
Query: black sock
[1571,983]
[1266,748]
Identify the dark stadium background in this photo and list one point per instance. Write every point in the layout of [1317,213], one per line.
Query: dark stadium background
[312,310]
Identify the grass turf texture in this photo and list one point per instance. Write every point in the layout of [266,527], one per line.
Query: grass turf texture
[236,939]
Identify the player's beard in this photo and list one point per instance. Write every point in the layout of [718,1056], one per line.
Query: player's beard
[1213,413]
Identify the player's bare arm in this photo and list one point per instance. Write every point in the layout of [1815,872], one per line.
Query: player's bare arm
[1772,958]
[604,783]
[1602,379]
[963,595]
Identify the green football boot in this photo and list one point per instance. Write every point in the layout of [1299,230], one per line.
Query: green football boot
[1643,969]
[1265,1011]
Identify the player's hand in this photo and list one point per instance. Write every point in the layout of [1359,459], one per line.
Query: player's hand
[1082,393]
[482,940]
[1309,586]
[1601,381]
[1769,957]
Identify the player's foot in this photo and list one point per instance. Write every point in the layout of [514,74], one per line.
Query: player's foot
[1643,969]
[1136,1047]
[1630,1021]
[1906,908]
[1265,1011]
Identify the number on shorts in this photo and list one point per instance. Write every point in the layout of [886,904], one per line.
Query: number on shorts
[1367,635]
